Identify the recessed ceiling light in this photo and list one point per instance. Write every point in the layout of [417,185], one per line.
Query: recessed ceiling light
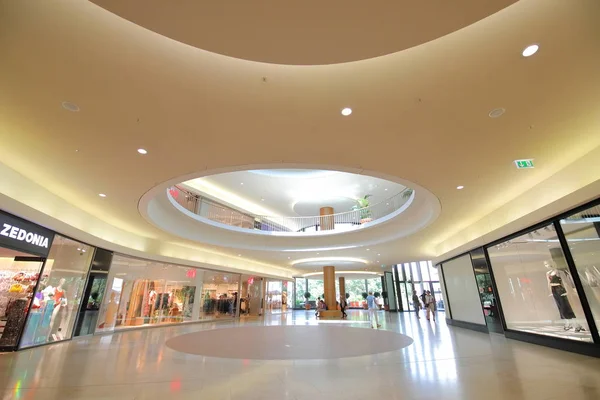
[368,249]
[497,112]
[530,50]
[241,183]
[460,187]
[346,111]
[239,255]
[378,254]
[142,151]
[262,199]
[70,106]
[385,189]
[102,195]
[289,258]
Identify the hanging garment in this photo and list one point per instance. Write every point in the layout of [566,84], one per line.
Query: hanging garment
[562,302]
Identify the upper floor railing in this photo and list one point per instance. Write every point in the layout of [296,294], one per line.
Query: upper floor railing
[343,221]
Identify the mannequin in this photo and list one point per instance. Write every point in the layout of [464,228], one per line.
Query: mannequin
[60,302]
[557,285]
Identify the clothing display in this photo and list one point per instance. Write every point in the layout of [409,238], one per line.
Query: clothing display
[17,283]
[562,302]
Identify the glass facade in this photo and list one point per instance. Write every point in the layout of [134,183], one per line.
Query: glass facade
[278,296]
[19,274]
[58,297]
[535,286]
[141,292]
[582,233]
[417,277]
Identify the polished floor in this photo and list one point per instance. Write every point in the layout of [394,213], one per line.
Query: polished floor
[442,363]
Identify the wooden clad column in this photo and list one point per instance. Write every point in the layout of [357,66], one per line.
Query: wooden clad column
[326,220]
[330,296]
[342,288]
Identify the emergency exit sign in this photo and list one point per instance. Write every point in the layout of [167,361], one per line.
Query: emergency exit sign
[524,163]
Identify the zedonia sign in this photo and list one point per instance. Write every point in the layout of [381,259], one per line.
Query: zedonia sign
[24,236]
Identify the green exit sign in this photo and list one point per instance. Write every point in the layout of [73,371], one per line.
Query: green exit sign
[524,163]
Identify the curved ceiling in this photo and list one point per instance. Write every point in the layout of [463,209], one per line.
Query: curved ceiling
[305,32]
[420,114]
[292,192]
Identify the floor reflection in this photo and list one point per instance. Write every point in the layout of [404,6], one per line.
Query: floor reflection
[443,363]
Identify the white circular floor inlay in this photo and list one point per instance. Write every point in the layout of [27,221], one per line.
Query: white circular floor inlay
[289,342]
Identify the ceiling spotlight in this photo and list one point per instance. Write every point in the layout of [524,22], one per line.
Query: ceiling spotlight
[239,255]
[346,111]
[530,50]
[102,195]
[142,151]
[496,112]
[262,199]
[368,249]
[378,254]
[385,189]
[70,106]
[289,258]
[241,183]
[460,187]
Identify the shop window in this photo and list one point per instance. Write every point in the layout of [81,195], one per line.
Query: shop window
[219,295]
[582,231]
[58,298]
[143,292]
[19,273]
[535,286]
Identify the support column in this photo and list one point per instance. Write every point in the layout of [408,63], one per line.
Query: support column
[330,297]
[326,219]
[342,288]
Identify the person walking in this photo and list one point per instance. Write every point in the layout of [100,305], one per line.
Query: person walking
[416,304]
[343,305]
[317,304]
[429,305]
[372,306]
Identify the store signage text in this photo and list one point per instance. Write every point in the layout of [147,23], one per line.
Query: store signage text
[25,236]
[21,235]
[528,163]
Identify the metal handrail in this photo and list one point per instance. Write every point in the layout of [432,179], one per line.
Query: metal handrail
[346,220]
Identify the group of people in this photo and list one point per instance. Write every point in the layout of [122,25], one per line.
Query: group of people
[343,303]
[428,303]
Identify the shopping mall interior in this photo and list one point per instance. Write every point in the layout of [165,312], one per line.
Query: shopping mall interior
[299,200]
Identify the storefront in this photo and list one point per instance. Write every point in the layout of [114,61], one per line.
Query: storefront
[540,285]
[143,293]
[42,276]
[278,296]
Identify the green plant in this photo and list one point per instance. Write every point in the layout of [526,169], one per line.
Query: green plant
[362,205]
[377,295]
[307,295]
[407,193]
[365,295]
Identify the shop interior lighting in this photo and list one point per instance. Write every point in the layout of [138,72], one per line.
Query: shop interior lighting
[346,111]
